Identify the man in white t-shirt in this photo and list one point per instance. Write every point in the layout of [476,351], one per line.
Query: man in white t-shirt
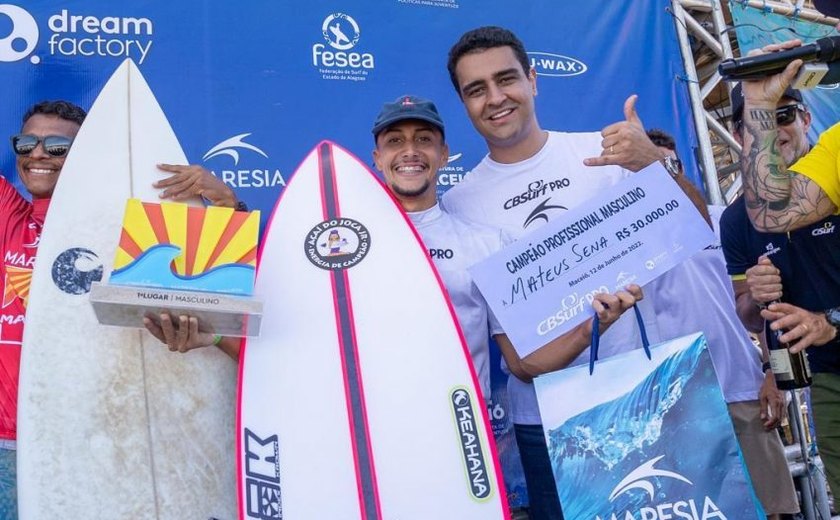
[410,148]
[531,176]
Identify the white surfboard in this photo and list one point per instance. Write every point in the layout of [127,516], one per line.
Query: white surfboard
[357,401]
[111,424]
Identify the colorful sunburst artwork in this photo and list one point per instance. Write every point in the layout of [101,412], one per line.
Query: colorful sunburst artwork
[175,246]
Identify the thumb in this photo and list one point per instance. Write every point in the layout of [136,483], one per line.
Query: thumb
[630,113]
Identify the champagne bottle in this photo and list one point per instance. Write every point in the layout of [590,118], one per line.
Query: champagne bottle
[790,370]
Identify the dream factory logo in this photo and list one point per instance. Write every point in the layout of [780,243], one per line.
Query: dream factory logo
[337,244]
[75,35]
[243,177]
[549,64]
[340,61]
[654,482]
[23,37]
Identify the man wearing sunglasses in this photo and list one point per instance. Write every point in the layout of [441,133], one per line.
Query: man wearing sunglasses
[47,134]
[800,267]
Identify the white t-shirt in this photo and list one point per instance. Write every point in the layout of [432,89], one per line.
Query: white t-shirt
[454,245]
[522,196]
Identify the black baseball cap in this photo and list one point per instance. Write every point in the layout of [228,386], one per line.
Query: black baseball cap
[738,101]
[407,107]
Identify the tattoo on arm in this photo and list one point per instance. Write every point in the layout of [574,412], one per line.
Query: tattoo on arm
[777,200]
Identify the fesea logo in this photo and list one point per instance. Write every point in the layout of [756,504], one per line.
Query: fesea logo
[243,176]
[340,61]
[550,64]
[70,34]
[642,479]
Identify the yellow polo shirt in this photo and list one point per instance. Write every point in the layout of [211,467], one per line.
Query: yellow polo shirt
[822,163]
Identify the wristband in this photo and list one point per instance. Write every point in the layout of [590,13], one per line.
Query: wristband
[765,366]
[217,338]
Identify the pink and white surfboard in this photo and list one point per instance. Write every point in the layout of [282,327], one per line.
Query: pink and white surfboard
[358,400]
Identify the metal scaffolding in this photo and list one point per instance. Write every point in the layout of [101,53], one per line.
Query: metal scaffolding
[705,40]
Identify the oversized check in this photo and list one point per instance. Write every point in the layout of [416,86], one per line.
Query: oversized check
[542,285]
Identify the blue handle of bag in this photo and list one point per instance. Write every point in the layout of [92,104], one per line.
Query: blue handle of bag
[595,338]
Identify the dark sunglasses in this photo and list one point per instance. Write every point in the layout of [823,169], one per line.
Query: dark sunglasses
[787,114]
[55,145]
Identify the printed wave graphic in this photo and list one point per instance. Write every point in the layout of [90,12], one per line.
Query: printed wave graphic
[594,450]
[153,268]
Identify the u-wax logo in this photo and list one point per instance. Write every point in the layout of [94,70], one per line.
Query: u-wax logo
[23,38]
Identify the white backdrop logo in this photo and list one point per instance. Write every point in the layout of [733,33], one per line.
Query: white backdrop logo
[243,177]
[549,64]
[22,39]
[338,59]
[76,35]
[341,31]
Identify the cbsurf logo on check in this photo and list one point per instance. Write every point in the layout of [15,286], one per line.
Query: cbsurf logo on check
[339,58]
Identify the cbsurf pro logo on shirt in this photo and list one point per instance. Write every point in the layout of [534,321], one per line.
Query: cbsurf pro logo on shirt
[538,190]
[338,58]
[262,476]
[77,35]
[467,420]
[669,487]
[336,244]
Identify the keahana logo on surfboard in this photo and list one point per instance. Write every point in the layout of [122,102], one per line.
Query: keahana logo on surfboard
[340,61]
[76,35]
[337,244]
[243,176]
[467,423]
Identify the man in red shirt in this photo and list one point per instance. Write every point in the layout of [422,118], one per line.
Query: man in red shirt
[41,147]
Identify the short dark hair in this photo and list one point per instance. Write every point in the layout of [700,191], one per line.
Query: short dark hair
[481,39]
[63,109]
[662,138]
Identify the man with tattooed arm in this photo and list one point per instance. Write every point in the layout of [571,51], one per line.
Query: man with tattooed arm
[791,252]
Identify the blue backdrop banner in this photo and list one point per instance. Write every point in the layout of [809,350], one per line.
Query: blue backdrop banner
[250,87]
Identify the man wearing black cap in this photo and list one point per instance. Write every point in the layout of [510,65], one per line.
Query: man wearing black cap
[801,267]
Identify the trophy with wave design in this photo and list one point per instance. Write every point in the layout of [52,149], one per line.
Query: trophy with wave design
[183,260]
